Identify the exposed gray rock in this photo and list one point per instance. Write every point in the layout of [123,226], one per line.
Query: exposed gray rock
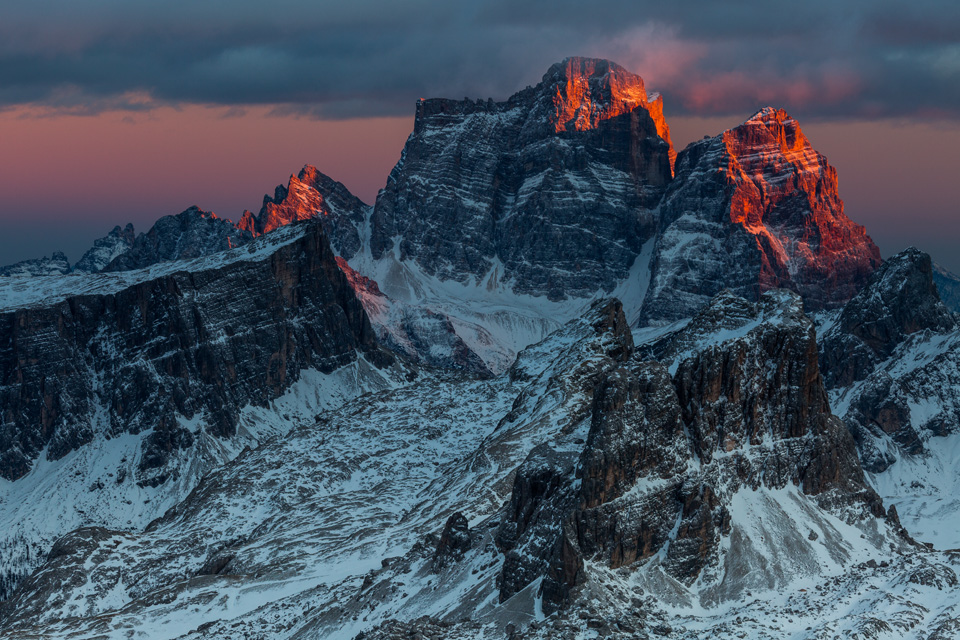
[190,234]
[753,209]
[557,184]
[311,194]
[201,340]
[901,299]
[57,264]
[892,358]
[106,249]
[745,410]
[948,285]
[454,541]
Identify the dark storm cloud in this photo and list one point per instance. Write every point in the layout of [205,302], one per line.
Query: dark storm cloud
[324,59]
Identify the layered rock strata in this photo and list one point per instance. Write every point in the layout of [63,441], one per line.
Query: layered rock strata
[753,209]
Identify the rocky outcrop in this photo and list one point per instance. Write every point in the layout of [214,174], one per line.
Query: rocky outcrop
[190,234]
[311,194]
[744,410]
[57,264]
[201,340]
[637,435]
[454,542]
[106,249]
[739,393]
[555,186]
[636,431]
[753,209]
[893,354]
[901,299]
[536,534]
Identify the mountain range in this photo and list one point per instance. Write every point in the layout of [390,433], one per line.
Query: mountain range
[558,381]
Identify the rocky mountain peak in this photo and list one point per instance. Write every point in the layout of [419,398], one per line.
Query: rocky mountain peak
[764,204]
[553,188]
[900,299]
[585,91]
[311,194]
[106,249]
[891,355]
[189,234]
[56,264]
[770,128]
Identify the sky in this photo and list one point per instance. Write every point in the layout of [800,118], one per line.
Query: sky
[114,111]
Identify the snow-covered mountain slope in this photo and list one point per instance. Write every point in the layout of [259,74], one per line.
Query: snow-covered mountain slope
[488,315]
[891,358]
[752,209]
[96,485]
[55,265]
[225,450]
[327,502]
[421,334]
[130,386]
[433,507]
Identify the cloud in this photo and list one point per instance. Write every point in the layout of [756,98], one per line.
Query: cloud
[859,59]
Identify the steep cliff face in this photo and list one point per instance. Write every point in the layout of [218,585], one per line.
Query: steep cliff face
[667,457]
[583,92]
[901,299]
[311,194]
[753,209]
[891,360]
[551,190]
[138,351]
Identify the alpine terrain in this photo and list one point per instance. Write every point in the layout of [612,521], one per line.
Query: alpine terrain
[557,381]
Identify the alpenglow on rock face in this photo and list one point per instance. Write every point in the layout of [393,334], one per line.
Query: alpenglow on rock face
[229,452]
[311,194]
[555,186]
[753,209]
